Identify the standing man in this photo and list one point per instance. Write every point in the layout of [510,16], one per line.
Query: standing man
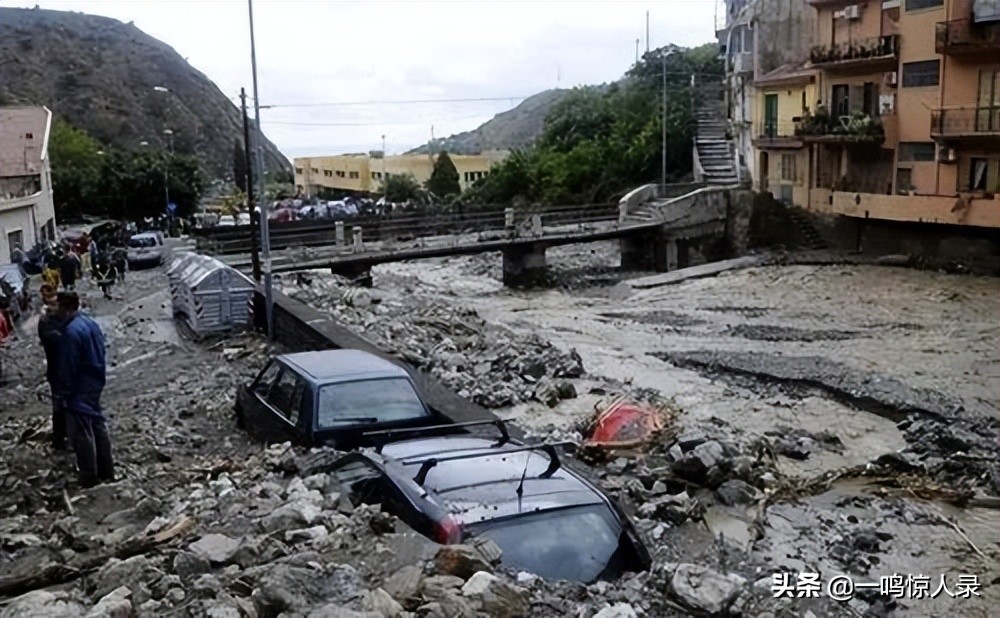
[82,377]
[50,334]
[69,266]
[92,251]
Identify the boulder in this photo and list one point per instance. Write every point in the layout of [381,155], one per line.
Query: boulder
[306,535]
[188,564]
[618,610]
[435,587]
[292,515]
[736,492]
[216,548]
[404,585]
[449,606]
[698,465]
[379,601]
[115,604]
[134,572]
[704,590]
[286,588]
[461,561]
[497,597]
[332,610]
[42,604]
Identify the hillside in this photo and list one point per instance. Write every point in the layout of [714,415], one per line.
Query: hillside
[510,130]
[98,74]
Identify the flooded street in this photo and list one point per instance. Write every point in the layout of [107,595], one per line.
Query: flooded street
[830,358]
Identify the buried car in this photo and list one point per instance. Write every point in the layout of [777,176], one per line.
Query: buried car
[546,519]
[145,249]
[329,397]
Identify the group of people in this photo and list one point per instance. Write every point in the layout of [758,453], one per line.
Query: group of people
[76,372]
[63,267]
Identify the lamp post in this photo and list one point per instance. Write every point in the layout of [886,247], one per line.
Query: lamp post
[265,237]
[663,169]
[166,167]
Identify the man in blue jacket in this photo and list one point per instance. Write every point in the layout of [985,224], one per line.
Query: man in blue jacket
[81,379]
[50,332]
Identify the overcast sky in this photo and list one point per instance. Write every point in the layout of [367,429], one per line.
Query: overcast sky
[316,52]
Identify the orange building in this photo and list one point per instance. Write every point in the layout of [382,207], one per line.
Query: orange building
[907,122]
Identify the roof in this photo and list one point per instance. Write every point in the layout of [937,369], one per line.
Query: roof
[787,75]
[342,365]
[24,136]
[484,488]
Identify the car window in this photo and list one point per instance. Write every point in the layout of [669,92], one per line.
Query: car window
[548,543]
[385,400]
[266,379]
[286,395]
[363,482]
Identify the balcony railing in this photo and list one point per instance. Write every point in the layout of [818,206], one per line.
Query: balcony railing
[14,187]
[962,36]
[859,127]
[774,134]
[858,52]
[966,122]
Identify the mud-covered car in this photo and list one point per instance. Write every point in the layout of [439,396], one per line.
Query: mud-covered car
[144,250]
[329,397]
[546,518]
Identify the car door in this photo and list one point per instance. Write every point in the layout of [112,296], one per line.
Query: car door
[255,409]
[284,403]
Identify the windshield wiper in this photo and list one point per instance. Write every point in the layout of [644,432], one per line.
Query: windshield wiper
[369,420]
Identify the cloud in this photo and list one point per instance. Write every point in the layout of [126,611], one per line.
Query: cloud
[319,52]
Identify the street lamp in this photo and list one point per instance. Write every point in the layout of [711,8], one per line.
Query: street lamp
[166,168]
[265,235]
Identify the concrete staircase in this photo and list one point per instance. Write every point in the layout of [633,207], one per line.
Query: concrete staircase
[811,238]
[715,150]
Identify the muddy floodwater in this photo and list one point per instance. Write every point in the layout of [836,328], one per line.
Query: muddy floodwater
[840,351]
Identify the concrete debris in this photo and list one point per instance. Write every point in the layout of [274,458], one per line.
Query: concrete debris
[461,560]
[216,548]
[496,597]
[704,590]
[43,604]
[618,610]
[116,604]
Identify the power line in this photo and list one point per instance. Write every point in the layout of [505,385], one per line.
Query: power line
[419,121]
[396,102]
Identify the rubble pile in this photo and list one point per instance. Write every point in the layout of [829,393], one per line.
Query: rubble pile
[480,361]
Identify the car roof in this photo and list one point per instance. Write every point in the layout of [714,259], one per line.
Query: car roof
[485,488]
[152,235]
[342,365]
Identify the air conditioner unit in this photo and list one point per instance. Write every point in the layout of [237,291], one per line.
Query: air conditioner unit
[891,78]
[852,12]
[947,155]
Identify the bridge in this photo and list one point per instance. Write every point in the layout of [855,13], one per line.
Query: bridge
[659,228]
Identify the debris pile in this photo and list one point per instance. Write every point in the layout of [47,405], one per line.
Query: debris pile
[480,361]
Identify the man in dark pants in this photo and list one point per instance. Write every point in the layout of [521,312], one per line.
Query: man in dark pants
[81,377]
[50,333]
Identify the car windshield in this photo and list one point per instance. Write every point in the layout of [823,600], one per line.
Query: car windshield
[386,400]
[579,544]
[141,242]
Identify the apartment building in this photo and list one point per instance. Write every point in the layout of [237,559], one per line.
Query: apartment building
[906,125]
[27,213]
[364,173]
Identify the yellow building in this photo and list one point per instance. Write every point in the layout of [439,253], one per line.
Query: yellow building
[364,173]
[782,97]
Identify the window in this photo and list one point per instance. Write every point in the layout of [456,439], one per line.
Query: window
[263,383]
[355,175]
[841,100]
[29,136]
[298,170]
[916,5]
[15,239]
[904,180]
[286,395]
[327,173]
[340,174]
[984,174]
[315,170]
[368,401]
[373,175]
[924,73]
[788,167]
[917,151]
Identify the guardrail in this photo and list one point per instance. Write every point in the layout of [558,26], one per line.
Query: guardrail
[410,227]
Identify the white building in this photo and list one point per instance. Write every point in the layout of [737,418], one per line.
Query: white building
[27,214]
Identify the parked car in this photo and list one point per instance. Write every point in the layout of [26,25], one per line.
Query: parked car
[547,519]
[244,218]
[226,221]
[329,397]
[145,249]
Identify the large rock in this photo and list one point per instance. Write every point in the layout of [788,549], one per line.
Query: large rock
[332,610]
[736,492]
[115,604]
[43,604]
[449,606]
[379,601]
[294,588]
[136,573]
[404,585]
[188,565]
[216,548]
[293,515]
[437,586]
[702,589]
[497,597]
[699,464]
[618,610]
[461,560]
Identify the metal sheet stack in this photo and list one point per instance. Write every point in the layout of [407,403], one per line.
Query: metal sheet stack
[208,295]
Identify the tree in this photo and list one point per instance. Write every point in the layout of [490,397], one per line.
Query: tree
[76,163]
[240,166]
[400,187]
[444,177]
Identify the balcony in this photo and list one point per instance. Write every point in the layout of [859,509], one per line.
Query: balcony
[871,55]
[777,135]
[858,128]
[743,63]
[976,210]
[975,123]
[962,36]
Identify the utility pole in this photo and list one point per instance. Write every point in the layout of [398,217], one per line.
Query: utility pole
[637,51]
[663,171]
[265,236]
[248,183]
[384,175]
